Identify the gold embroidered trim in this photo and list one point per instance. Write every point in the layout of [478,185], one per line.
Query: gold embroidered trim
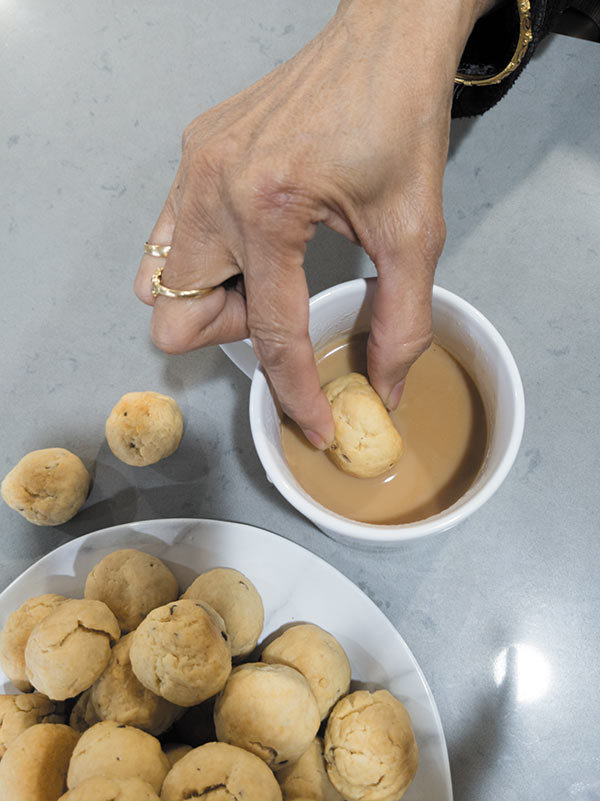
[525,39]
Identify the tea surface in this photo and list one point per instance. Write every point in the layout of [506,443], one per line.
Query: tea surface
[442,421]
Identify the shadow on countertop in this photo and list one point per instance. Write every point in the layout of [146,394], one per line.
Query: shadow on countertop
[482,740]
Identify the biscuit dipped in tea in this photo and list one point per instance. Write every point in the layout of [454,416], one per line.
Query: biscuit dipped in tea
[366,442]
[442,421]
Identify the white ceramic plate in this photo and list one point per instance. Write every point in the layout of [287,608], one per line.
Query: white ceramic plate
[294,584]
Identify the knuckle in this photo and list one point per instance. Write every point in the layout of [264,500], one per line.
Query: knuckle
[212,155]
[205,162]
[417,224]
[169,338]
[187,136]
[273,348]
[432,236]
[267,190]
[199,130]
[426,234]
[405,350]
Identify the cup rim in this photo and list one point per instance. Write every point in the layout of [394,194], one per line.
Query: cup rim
[400,532]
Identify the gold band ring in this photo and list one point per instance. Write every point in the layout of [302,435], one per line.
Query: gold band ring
[158,288]
[162,251]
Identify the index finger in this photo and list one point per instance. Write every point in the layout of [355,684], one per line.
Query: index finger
[278,312]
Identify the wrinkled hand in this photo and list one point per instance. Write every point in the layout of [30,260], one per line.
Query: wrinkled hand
[352,132]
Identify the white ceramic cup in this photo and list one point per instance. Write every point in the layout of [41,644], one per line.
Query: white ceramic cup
[463,331]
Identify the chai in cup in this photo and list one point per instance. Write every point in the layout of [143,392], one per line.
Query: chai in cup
[442,421]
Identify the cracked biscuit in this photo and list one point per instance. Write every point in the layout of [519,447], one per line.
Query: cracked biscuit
[131,583]
[48,487]
[35,764]
[269,710]
[101,789]
[318,656]
[307,777]
[236,599]
[68,650]
[220,772]
[118,695]
[115,751]
[181,651]
[144,427]
[366,442]
[20,712]
[15,634]
[370,747]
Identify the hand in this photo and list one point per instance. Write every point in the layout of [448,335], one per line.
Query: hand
[352,132]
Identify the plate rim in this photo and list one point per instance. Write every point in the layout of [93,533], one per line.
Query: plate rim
[198,521]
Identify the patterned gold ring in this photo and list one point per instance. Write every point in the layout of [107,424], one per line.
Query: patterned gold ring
[162,251]
[158,288]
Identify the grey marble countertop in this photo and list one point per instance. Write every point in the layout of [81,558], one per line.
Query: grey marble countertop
[502,613]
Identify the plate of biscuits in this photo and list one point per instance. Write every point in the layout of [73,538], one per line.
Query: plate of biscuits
[180,659]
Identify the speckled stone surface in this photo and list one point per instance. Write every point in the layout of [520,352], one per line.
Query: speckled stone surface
[501,613]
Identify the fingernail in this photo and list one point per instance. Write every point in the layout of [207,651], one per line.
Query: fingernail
[315,439]
[395,395]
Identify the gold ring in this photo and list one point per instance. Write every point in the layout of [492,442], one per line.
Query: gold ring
[162,251]
[159,288]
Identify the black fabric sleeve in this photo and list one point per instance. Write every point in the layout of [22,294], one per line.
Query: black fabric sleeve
[490,48]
